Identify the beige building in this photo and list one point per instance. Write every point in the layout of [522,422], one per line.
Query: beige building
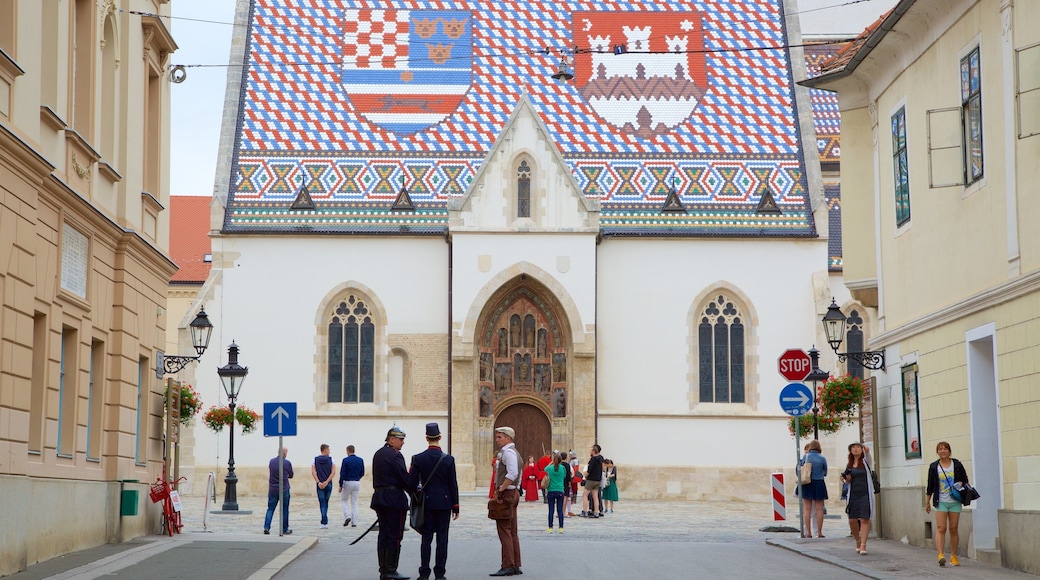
[84,172]
[941,190]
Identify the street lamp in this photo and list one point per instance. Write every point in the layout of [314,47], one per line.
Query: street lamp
[232,375]
[834,326]
[201,331]
[816,374]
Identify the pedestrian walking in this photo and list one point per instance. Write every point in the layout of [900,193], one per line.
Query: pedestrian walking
[507,477]
[432,474]
[860,503]
[390,502]
[814,493]
[350,474]
[323,469]
[943,475]
[272,490]
[557,473]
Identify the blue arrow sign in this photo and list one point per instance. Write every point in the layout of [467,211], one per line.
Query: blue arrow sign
[279,419]
[796,399]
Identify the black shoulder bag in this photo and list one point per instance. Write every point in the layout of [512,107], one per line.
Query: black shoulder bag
[417,515]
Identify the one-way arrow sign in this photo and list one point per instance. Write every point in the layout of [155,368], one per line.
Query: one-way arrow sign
[796,399]
[279,419]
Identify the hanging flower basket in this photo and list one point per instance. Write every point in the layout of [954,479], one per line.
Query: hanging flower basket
[191,403]
[216,418]
[842,397]
[807,422]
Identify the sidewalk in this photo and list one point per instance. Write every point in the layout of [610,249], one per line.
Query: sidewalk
[233,546]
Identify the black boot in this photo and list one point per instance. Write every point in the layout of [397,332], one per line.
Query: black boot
[382,564]
[393,556]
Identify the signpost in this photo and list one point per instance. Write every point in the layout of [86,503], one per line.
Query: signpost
[280,421]
[796,399]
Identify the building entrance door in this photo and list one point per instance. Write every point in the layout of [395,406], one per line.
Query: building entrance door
[533,431]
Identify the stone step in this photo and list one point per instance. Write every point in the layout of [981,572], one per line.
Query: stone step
[991,557]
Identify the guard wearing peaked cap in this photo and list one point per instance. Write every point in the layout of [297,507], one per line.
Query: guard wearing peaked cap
[390,502]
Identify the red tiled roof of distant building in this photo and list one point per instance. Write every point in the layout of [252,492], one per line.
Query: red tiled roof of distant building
[845,55]
[189,238]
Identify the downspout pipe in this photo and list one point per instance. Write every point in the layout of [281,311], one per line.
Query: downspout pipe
[451,425]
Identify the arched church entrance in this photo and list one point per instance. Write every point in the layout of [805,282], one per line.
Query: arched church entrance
[521,373]
[533,430]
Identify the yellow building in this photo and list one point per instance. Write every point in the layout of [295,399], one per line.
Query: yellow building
[84,236]
[940,110]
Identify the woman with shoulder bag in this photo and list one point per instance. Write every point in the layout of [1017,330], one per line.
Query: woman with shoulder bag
[814,493]
[944,475]
[860,503]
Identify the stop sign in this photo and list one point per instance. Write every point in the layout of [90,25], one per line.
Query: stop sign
[794,364]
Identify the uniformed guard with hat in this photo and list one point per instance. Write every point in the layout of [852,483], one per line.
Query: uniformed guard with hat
[390,502]
[432,473]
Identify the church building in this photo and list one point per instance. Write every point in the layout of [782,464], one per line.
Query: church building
[594,222]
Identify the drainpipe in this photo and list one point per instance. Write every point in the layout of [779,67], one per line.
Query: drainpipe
[451,428]
[595,339]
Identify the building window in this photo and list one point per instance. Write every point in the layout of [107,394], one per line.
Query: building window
[854,343]
[971,116]
[911,413]
[523,190]
[720,352]
[38,386]
[899,166]
[352,334]
[140,434]
[95,399]
[67,371]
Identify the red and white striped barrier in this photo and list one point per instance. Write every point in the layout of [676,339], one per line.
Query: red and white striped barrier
[779,501]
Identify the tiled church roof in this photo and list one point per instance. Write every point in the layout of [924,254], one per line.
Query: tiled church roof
[357,100]
[826,115]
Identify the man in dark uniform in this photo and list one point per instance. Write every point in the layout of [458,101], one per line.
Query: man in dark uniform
[390,502]
[432,473]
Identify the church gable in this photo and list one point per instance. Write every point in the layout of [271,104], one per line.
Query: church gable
[524,184]
[357,103]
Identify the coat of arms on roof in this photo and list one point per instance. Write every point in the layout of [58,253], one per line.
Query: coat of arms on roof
[303,200]
[406,69]
[643,72]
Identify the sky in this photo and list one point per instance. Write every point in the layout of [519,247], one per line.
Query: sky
[203,29]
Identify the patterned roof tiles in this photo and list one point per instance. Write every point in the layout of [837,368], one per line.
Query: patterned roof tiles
[357,100]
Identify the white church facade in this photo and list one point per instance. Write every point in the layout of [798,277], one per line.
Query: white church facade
[400,237]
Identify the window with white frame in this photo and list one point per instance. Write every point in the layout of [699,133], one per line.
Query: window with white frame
[900,169]
[971,115]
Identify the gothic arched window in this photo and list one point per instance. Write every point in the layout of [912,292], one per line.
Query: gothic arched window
[352,335]
[854,343]
[720,352]
[523,190]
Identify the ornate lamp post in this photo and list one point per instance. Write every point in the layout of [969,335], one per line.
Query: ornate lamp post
[834,326]
[816,374]
[201,331]
[232,375]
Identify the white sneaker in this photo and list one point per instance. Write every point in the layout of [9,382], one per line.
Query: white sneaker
[324,526]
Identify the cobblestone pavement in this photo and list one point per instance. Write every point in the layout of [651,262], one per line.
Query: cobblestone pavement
[641,520]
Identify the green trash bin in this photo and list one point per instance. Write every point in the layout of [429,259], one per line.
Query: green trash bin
[129,498]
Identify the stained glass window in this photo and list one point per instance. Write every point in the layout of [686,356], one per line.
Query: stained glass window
[351,370]
[523,190]
[721,352]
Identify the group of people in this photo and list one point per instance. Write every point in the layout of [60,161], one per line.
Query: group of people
[323,470]
[599,482]
[859,485]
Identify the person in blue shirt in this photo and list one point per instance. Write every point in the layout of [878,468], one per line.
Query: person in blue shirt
[350,474]
[323,469]
[272,491]
[814,493]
